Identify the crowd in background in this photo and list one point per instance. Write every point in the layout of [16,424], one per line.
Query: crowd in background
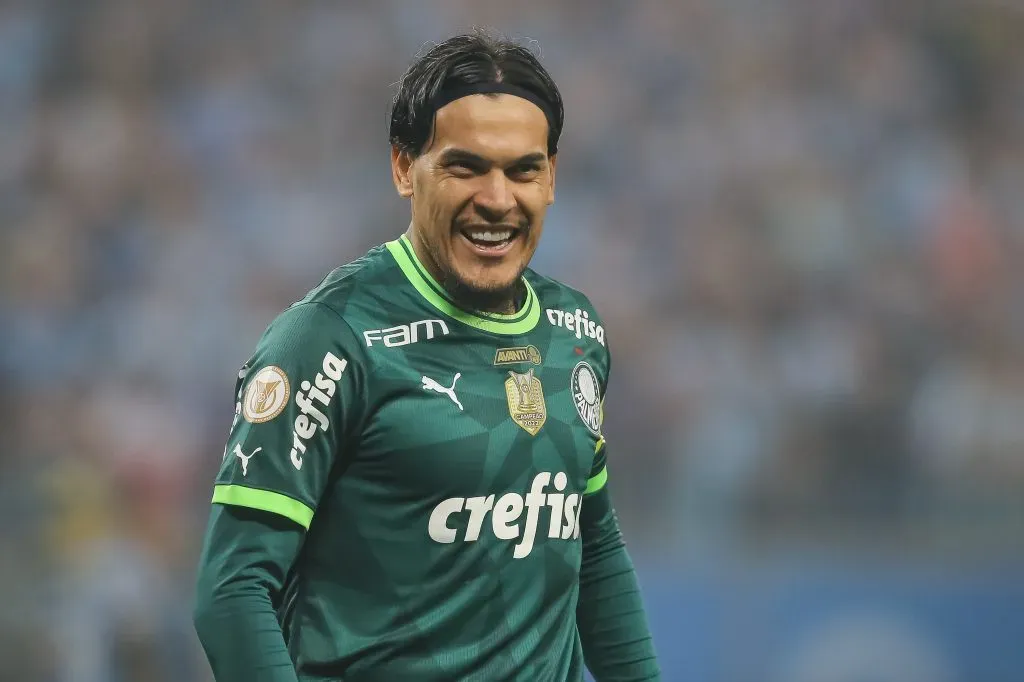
[801,220]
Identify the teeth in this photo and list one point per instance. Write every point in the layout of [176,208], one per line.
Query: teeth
[491,236]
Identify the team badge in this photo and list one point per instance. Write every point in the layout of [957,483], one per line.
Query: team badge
[526,401]
[587,396]
[512,356]
[266,396]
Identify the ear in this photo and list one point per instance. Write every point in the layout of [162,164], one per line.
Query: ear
[552,163]
[401,171]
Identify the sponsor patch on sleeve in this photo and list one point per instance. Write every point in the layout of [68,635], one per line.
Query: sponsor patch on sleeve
[266,395]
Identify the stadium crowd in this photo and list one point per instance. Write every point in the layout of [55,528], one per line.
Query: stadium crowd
[801,221]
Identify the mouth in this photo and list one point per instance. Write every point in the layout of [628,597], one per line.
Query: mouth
[490,241]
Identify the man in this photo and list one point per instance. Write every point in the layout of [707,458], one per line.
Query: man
[414,486]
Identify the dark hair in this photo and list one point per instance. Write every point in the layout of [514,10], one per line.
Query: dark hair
[466,60]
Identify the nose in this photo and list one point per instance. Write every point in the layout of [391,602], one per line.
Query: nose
[495,199]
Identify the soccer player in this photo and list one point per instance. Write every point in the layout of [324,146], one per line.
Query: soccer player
[415,486]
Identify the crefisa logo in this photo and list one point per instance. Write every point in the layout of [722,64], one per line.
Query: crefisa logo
[578,323]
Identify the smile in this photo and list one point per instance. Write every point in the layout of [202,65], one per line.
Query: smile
[490,241]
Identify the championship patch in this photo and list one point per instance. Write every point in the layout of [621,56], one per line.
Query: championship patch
[587,396]
[526,401]
[512,356]
[266,396]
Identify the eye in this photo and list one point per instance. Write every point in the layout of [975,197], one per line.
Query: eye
[524,171]
[459,168]
[463,169]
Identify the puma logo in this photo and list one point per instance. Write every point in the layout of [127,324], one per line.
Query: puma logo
[245,458]
[431,385]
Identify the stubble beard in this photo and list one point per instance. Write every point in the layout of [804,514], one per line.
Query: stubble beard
[470,296]
[502,300]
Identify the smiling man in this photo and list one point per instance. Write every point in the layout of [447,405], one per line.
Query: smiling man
[415,484]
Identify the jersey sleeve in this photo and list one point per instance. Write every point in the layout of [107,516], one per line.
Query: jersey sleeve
[599,471]
[300,402]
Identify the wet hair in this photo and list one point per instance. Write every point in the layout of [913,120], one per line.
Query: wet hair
[471,63]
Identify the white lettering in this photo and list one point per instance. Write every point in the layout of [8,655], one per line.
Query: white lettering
[303,429]
[429,326]
[506,512]
[571,514]
[333,367]
[397,336]
[478,508]
[576,521]
[534,501]
[555,501]
[306,406]
[315,392]
[507,519]
[326,385]
[311,418]
[405,334]
[438,524]
[577,322]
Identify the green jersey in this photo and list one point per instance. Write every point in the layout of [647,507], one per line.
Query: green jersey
[439,460]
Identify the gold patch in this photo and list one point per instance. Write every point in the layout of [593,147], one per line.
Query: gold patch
[526,401]
[266,396]
[511,356]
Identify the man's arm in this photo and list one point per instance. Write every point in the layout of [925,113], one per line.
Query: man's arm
[617,645]
[246,555]
[298,399]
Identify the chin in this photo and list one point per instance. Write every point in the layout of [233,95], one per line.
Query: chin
[484,295]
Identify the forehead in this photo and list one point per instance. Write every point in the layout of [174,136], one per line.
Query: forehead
[492,126]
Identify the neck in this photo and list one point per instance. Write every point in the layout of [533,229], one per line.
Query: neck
[503,302]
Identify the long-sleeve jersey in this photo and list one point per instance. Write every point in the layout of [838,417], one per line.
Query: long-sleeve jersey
[411,490]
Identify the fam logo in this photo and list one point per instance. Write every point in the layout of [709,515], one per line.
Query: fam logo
[578,322]
[405,334]
[586,395]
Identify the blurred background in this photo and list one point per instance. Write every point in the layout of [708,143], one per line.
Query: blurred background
[802,220]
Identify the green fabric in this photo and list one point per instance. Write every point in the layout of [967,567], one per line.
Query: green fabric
[246,554]
[611,618]
[595,483]
[265,500]
[443,467]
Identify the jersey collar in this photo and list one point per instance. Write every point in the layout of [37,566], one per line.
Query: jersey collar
[515,324]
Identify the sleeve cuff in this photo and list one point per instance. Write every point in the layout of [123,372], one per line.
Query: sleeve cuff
[267,500]
[595,483]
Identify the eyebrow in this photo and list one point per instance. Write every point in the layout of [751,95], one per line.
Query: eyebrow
[456,155]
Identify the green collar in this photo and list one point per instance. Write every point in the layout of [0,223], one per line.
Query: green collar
[516,324]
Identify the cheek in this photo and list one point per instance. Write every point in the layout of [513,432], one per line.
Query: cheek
[447,198]
[429,205]
[535,204]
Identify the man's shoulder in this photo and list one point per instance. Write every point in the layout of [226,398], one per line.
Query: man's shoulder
[374,272]
[350,294]
[557,295]
[569,308]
